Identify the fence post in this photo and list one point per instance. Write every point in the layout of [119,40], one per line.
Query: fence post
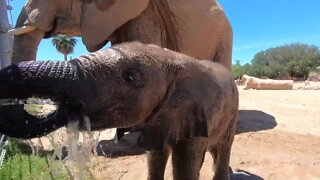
[5,38]
[5,60]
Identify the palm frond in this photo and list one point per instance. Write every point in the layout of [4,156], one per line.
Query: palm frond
[64,44]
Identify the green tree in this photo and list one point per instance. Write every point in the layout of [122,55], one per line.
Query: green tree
[294,59]
[64,44]
[238,70]
[246,69]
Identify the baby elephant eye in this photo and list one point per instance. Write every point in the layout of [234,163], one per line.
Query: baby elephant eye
[131,76]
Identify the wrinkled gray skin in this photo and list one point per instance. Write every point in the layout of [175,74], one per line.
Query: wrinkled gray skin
[187,106]
[198,28]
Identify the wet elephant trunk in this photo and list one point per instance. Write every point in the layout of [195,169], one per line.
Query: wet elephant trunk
[25,46]
[16,122]
[41,79]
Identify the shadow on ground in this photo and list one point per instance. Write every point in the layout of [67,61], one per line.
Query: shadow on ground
[254,120]
[249,121]
[126,146]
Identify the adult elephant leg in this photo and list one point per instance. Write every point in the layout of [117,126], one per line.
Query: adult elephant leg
[223,53]
[224,56]
[157,161]
[187,158]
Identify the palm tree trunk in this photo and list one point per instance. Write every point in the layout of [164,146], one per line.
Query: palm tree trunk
[65,57]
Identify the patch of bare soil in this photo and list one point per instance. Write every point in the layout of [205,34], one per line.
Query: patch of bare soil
[276,154]
[266,154]
[278,137]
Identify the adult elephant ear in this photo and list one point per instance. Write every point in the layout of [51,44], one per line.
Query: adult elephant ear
[102,17]
[185,112]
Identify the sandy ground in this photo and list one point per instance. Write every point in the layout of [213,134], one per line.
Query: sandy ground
[278,138]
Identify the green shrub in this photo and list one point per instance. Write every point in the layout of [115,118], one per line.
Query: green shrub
[20,164]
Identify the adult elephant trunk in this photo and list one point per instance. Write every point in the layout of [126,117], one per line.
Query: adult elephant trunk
[41,79]
[25,44]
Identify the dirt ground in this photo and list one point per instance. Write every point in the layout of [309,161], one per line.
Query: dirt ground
[278,137]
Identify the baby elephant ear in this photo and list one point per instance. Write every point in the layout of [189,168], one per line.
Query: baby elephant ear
[184,114]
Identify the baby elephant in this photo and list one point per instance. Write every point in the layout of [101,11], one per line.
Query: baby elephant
[186,106]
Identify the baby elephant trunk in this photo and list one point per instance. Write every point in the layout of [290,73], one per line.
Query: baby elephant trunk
[40,79]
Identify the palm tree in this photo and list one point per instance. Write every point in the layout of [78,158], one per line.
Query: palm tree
[64,44]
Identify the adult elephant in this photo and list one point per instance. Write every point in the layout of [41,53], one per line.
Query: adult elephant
[198,28]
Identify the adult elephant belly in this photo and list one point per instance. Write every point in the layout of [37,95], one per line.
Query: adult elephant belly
[199,29]
[203,30]
[155,25]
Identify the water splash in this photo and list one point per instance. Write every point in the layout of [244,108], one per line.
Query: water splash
[76,150]
[73,148]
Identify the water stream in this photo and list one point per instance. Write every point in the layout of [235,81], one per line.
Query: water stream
[75,150]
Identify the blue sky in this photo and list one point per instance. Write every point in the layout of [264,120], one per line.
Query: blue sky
[257,25]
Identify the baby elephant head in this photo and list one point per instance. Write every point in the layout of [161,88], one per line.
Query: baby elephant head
[175,96]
